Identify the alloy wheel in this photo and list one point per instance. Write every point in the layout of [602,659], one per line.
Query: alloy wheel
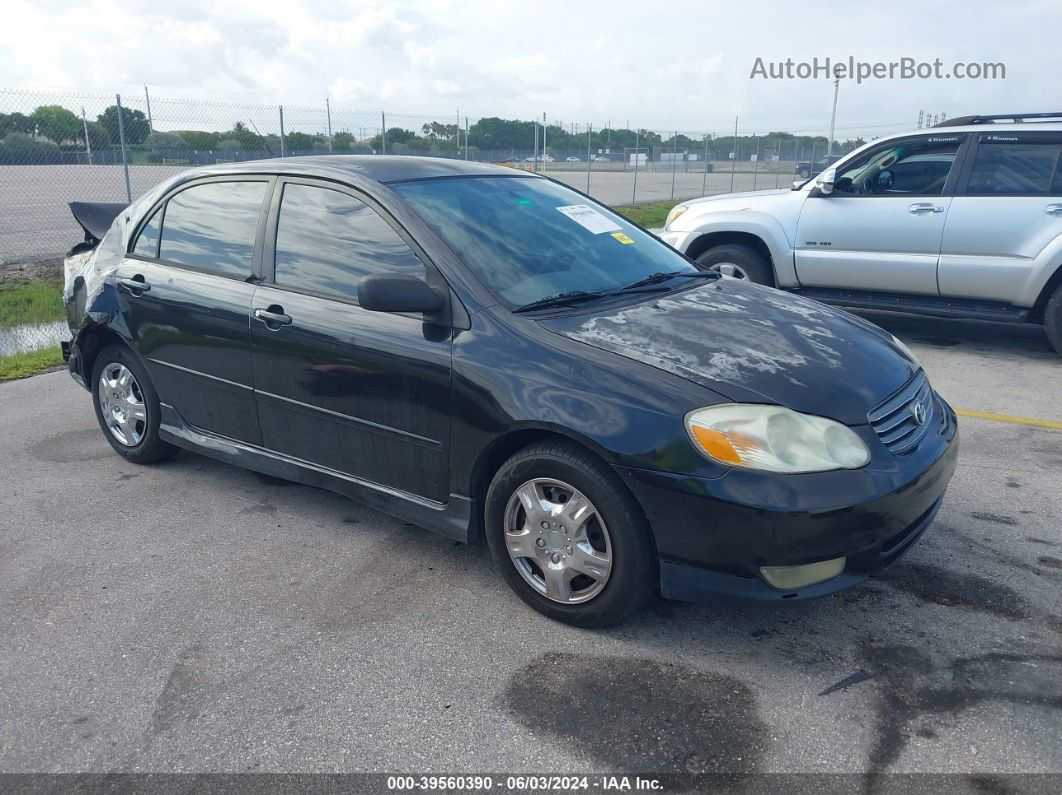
[730,269]
[558,541]
[122,404]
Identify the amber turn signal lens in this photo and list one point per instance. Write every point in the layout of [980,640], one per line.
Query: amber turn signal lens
[716,444]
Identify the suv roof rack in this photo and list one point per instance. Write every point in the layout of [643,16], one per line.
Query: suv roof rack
[960,121]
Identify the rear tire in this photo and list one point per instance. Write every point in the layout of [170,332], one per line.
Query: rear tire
[743,262]
[127,407]
[1053,320]
[604,533]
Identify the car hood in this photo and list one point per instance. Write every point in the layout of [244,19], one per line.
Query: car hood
[754,344]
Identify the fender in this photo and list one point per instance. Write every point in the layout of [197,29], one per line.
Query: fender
[753,222]
[1048,264]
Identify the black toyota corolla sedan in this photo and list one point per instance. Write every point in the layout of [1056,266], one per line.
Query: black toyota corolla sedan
[490,354]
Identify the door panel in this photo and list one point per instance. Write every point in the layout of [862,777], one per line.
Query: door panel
[1007,212]
[990,244]
[881,227]
[190,323]
[364,393]
[192,331]
[879,243]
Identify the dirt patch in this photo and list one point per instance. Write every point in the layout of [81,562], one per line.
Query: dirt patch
[353,578]
[995,518]
[37,271]
[911,691]
[71,447]
[956,589]
[642,716]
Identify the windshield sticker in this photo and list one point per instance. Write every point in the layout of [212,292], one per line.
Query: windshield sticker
[622,238]
[589,218]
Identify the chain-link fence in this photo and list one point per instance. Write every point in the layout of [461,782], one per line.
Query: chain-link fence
[61,147]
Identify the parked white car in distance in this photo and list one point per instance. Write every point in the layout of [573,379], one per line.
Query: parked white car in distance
[960,220]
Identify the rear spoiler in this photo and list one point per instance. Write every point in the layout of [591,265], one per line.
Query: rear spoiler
[95,218]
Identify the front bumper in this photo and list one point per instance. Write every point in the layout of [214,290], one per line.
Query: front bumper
[713,536]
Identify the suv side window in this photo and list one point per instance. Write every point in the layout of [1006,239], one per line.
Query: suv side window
[212,227]
[916,167]
[327,240]
[1014,168]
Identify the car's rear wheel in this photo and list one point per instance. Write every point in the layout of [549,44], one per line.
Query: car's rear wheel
[127,407]
[568,537]
[738,261]
[1053,319]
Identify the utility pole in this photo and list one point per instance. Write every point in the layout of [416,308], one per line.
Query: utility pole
[88,144]
[543,141]
[121,140]
[833,116]
[147,99]
[328,115]
[281,109]
[733,156]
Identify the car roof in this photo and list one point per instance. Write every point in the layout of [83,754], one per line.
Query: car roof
[379,168]
[989,127]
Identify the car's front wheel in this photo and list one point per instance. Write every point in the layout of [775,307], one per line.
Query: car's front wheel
[127,407]
[568,537]
[741,262]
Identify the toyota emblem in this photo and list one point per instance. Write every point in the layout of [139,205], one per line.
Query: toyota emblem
[918,412]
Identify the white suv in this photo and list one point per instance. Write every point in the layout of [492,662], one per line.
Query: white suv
[960,220]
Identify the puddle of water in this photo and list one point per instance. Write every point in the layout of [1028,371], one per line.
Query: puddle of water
[19,339]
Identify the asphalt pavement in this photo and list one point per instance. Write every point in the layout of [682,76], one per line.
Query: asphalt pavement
[193,616]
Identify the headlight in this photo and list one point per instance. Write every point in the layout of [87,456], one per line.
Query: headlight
[906,351]
[774,439]
[676,211]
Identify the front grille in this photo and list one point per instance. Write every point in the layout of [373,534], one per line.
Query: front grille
[895,421]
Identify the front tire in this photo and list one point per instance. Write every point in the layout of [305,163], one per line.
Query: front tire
[568,537]
[127,407]
[741,262]
[1053,320]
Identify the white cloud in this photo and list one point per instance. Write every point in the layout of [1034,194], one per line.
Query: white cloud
[682,65]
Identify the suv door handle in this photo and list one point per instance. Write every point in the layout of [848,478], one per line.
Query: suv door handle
[273,317]
[136,285]
[919,209]
[1053,209]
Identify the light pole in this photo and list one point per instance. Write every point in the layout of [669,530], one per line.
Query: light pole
[833,116]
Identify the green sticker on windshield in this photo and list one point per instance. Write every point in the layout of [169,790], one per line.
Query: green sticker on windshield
[524,202]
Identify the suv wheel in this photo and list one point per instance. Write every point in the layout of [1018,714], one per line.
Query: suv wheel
[567,536]
[1053,319]
[741,262]
[127,407]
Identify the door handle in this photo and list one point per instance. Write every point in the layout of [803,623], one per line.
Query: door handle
[1053,209]
[136,286]
[273,317]
[919,209]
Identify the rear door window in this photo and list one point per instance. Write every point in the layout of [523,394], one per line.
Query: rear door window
[327,240]
[147,243]
[212,227]
[1015,168]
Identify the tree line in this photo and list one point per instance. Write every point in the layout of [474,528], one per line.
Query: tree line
[53,128]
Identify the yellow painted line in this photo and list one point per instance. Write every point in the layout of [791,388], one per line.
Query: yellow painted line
[988,415]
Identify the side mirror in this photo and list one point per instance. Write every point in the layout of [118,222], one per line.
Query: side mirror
[397,292]
[824,181]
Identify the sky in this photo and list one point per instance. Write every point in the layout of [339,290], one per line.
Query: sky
[676,65]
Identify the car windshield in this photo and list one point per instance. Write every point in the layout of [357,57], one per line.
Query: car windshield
[529,239]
